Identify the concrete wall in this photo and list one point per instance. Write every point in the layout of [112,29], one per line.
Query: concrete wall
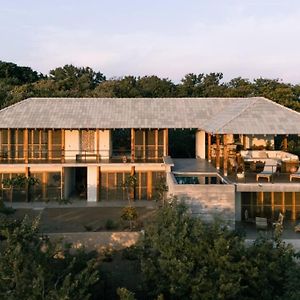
[92,180]
[206,201]
[71,144]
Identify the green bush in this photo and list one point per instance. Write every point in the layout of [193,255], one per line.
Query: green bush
[111,224]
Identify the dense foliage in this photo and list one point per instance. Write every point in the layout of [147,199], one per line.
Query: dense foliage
[17,83]
[33,267]
[182,258]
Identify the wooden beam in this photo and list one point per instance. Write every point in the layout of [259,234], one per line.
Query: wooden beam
[217,151]
[149,185]
[26,148]
[132,135]
[225,155]
[166,146]
[62,145]
[209,147]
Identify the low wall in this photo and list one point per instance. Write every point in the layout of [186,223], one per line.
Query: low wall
[98,241]
[206,200]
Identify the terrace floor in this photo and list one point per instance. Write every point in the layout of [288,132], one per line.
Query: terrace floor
[193,165]
[249,229]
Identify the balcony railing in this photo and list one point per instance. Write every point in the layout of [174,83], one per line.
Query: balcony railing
[81,156]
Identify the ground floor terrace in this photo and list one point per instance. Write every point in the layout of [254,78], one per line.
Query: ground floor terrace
[92,183]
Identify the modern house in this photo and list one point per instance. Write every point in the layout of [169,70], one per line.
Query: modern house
[84,148]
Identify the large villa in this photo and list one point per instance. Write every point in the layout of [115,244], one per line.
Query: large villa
[84,148]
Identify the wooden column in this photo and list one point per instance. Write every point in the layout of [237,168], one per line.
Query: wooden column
[244,142]
[209,147]
[217,151]
[144,144]
[62,145]
[166,146]
[156,143]
[294,206]
[50,142]
[8,143]
[44,183]
[285,143]
[225,154]
[98,183]
[283,202]
[27,174]
[97,145]
[62,183]
[149,185]
[272,204]
[132,193]
[132,145]
[261,200]
[26,145]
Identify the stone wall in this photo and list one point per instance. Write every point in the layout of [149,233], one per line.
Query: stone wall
[206,200]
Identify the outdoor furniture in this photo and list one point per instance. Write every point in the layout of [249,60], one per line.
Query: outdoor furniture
[263,155]
[297,228]
[279,222]
[295,175]
[261,223]
[269,169]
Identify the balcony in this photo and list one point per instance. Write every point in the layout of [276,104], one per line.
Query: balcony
[41,156]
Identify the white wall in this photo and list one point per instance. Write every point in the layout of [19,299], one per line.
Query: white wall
[71,143]
[92,180]
[105,143]
[200,144]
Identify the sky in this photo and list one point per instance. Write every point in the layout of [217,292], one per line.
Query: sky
[167,38]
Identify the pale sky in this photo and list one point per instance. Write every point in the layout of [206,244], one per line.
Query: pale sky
[168,38]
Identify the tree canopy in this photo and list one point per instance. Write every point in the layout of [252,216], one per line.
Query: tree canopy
[183,258]
[17,83]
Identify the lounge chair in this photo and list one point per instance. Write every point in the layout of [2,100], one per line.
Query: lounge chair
[295,175]
[261,223]
[268,170]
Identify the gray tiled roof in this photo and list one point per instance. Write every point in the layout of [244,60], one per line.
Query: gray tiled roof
[222,115]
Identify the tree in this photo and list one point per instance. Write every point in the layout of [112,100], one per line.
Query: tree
[183,258]
[33,267]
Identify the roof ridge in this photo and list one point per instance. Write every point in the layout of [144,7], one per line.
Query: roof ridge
[280,105]
[242,110]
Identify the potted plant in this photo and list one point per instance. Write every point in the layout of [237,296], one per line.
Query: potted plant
[240,173]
